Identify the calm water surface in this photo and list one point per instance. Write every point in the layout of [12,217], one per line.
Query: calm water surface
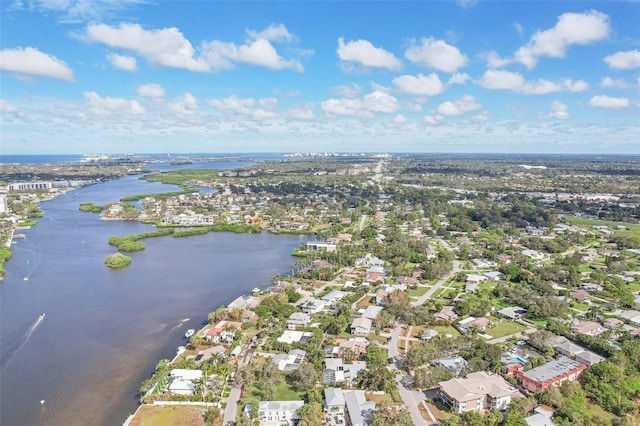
[105,330]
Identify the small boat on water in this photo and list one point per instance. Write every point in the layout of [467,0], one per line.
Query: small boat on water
[190,332]
[41,317]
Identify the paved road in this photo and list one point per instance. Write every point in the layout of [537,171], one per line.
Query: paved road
[233,400]
[412,399]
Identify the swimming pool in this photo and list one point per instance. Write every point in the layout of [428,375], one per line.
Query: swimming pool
[522,361]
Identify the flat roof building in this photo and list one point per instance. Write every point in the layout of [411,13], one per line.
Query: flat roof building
[551,373]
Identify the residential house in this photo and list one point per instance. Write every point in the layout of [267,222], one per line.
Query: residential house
[589,328]
[456,364]
[297,319]
[336,371]
[321,246]
[540,417]
[512,312]
[332,298]
[447,313]
[494,275]
[632,316]
[470,323]
[290,361]
[312,305]
[277,413]
[510,364]
[533,254]
[182,381]
[223,332]
[369,260]
[478,392]
[357,346]
[293,336]
[550,374]
[371,312]
[358,408]
[428,334]
[361,326]
[334,401]
[591,287]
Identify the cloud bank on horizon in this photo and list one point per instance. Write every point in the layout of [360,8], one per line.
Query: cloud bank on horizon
[117,76]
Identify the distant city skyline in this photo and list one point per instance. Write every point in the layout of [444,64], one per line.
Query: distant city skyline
[138,76]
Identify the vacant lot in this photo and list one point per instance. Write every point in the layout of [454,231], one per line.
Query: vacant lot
[171,415]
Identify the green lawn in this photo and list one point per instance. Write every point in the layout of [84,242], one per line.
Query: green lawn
[632,229]
[580,306]
[285,393]
[538,323]
[417,292]
[505,328]
[443,330]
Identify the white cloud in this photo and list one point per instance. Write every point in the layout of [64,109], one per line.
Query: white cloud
[352,91]
[257,51]
[496,61]
[433,120]
[570,29]
[518,27]
[515,82]
[274,32]
[108,105]
[165,47]
[436,54]
[7,108]
[463,105]
[152,91]
[123,62]
[381,102]
[420,85]
[466,3]
[31,62]
[301,112]
[365,54]
[609,82]
[261,52]
[257,109]
[187,105]
[342,106]
[603,101]
[624,60]
[559,110]
[501,79]
[575,86]
[399,119]
[459,78]
[75,11]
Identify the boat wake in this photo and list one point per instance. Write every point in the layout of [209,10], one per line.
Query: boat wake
[14,347]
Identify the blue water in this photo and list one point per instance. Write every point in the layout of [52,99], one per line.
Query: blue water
[522,361]
[106,329]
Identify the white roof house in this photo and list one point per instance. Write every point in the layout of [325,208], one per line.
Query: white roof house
[358,407]
[276,413]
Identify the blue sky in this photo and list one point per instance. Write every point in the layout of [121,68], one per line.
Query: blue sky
[136,76]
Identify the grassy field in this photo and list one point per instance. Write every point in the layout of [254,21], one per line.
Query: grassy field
[631,229]
[417,292]
[285,393]
[171,415]
[505,328]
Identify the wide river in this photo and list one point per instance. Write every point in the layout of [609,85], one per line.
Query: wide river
[105,330]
